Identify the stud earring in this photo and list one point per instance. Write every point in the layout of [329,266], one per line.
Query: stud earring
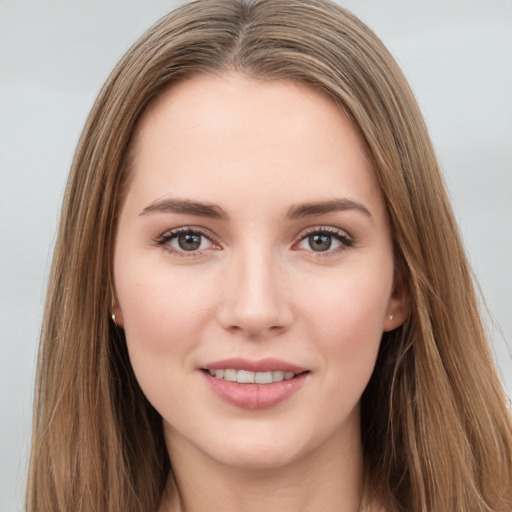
[391,316]
[114,319]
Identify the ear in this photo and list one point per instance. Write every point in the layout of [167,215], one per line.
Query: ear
[117,315]
[399,304]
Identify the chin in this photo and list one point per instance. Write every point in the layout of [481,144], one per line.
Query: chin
[263,449]
[258,457]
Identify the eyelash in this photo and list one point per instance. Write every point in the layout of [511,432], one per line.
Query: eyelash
[165,239]
[341,236]
[337,234]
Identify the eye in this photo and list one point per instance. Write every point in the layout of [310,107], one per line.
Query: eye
[325,240]
[186,240]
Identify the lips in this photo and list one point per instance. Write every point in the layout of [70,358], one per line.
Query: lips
[268,364]
[252,384]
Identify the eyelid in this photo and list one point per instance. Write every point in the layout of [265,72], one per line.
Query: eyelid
[324,229]
[174,232]
[346,240]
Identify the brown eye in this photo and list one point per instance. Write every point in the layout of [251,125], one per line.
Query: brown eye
[186,240]
[189,241]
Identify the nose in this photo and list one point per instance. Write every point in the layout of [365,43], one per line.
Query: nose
[254,300]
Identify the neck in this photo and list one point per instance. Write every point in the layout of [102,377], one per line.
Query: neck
[329,478]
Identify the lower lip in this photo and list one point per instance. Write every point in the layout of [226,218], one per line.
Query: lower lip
[255,396]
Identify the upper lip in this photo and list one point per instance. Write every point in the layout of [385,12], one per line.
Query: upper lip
[268,364]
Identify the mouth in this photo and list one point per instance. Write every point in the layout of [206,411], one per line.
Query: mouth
[254,384]
[250,377]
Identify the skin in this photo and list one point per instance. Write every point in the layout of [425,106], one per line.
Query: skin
[255,288]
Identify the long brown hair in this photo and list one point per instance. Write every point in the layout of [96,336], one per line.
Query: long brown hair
[436,431]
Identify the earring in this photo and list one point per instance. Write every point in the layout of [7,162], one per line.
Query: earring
[391,316]
[114,319]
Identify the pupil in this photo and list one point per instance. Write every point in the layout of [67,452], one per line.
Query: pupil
[189,241]
[320,242]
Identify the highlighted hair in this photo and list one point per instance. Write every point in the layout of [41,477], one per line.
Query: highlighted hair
[437,435]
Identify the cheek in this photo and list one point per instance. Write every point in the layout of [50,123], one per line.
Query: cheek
[350,311]
[164,314]
[346,320]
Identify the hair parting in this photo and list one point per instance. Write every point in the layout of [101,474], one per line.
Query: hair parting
[437,433]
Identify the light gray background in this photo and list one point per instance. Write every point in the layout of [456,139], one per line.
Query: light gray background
[54,56]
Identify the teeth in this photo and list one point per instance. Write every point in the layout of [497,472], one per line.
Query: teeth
[248,377]
[230,375]
[278,376]
[245,377]
[263,378]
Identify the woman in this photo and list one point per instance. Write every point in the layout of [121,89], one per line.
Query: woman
[259,297]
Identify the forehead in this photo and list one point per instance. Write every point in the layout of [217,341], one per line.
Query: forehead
[214,135]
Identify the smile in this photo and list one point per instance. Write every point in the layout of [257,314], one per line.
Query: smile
[254,384]
[250,377]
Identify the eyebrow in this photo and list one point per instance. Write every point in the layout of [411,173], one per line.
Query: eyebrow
[187,207]
[320,208]
[298,211]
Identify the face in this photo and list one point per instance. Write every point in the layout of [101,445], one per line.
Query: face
[253,270]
